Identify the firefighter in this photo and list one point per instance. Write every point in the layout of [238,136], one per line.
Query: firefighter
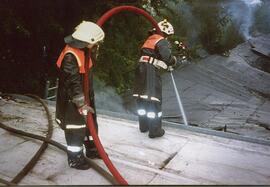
[155,57]
[71,107]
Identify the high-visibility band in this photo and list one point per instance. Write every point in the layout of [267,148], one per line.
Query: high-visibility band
[144,96]
[58,121]
[89,137]
[141,112]
[155,99]
[159,114]
[160,64]
[74,148]
[157,63]
[78,59]
[75,126]
[151,115]
[144,59]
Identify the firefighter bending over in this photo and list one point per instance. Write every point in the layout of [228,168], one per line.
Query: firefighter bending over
[71,107]
[155,56]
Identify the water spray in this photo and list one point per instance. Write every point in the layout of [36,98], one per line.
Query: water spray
[178,99]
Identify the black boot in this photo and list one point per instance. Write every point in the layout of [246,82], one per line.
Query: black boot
[143,123]
[91,150]
[78,161]
[155,129]
[157,133]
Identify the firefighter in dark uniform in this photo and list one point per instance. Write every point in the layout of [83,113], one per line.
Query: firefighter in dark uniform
[155,56]
[71,108]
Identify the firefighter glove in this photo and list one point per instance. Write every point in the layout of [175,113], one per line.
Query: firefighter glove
[170,68]
[83,108]
[176,65]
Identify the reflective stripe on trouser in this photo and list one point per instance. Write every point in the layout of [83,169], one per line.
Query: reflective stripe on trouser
[141,112]
[154,116]
[149,113]
[150,109]
[74,149]
[75,126]
[75,138]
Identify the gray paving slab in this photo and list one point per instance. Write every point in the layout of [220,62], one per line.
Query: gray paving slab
[221,165]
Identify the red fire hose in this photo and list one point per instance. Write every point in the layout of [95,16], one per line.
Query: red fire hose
[90,121]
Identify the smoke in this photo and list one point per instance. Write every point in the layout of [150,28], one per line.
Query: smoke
[187,24]
[106,98]
[242,14]
[189,21]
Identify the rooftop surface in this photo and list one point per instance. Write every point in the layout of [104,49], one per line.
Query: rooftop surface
[180,157]
[231,92]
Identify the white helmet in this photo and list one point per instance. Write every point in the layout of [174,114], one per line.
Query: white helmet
[88,32]
[166,27]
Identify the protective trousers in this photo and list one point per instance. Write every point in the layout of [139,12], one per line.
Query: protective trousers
[78,135]
[149,113]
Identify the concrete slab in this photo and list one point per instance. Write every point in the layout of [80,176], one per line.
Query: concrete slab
[14,159]
[141,149]
[133,152]
[221,165]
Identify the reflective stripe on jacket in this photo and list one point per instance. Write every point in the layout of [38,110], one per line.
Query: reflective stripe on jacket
[147,77]
[79,55]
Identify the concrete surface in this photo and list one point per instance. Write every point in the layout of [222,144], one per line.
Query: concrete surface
[194,158]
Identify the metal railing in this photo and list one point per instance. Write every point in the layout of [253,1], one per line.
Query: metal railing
[50,91]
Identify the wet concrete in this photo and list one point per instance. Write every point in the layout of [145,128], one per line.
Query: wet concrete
[224,91]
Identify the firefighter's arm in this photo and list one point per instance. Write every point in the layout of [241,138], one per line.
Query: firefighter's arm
[74,83]
[165,53]
[83,108]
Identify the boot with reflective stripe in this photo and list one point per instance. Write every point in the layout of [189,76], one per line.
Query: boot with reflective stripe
[74,135]
[142,111]
[77,160]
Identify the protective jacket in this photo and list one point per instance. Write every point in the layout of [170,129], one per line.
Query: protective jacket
[71,69]
[156,50]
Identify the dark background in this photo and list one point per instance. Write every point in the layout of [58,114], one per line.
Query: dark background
[32,33]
